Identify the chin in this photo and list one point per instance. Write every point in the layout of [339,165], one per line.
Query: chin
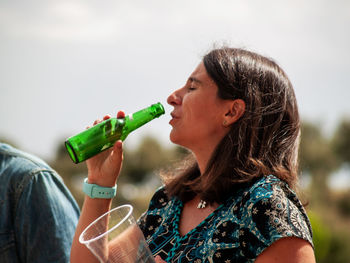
[178,140]
[174,137]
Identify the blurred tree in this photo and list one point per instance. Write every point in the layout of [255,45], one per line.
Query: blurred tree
[322,237]
[341,141]
[332,244]
[317,159]
[341,147]
[147,158]
[71,173]
[320,157]
[343,204]
[339,251]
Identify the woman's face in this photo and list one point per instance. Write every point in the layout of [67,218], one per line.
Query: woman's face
[197,118]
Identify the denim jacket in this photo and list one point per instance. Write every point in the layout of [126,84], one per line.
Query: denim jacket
[38,214]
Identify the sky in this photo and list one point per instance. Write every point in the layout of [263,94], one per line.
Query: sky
[65,63]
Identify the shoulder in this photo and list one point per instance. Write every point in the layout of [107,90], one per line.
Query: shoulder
[159,200]
[270,200]
[270,210]
[160,208]
[268,190]
[20,165]
[159,204]
[291,249]
[22,172]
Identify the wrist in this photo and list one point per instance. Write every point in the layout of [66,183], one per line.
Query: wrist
[103,182]
[94,190]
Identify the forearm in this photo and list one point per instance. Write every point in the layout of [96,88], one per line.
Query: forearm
[92,209]
[103,170]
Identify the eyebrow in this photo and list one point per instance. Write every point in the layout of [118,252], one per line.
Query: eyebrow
[193,79]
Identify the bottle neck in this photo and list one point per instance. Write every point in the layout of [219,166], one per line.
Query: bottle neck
[139,118]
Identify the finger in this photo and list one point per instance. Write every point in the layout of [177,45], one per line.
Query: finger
[119,145]
[121,114]
[118,149]
[106,117]
[117,155]
[97,121]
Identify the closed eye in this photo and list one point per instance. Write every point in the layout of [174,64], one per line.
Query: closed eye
[191,83]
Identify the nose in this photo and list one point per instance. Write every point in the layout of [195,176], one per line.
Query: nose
[174,98]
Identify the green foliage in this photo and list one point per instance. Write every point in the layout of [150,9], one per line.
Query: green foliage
[340,247]
[331,237]
[319,157]
[318,160]
[147,158]
[322,237]
[316,155]
[341,141]
[344,205]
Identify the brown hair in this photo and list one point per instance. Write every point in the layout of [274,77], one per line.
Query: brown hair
[263,141]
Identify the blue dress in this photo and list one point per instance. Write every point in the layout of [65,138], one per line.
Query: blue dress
[237,231]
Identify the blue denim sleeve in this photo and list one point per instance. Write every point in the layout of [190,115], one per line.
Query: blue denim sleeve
[46,217]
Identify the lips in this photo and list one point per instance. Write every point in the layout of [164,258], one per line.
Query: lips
[174,117]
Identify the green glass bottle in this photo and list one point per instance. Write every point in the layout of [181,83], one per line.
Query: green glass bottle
[103,135]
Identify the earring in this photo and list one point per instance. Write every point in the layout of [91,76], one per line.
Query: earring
[224,123]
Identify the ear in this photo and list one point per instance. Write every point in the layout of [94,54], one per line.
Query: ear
[234,111]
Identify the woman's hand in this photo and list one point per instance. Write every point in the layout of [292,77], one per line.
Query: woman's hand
[104,168]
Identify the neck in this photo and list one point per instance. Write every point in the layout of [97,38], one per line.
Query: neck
[204,151]
[203,157]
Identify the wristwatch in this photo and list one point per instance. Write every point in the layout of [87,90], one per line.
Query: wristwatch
[96,191]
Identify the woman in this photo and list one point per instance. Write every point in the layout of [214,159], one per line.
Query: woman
[233,202]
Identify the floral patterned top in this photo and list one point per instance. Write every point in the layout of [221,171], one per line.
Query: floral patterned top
[237,231]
